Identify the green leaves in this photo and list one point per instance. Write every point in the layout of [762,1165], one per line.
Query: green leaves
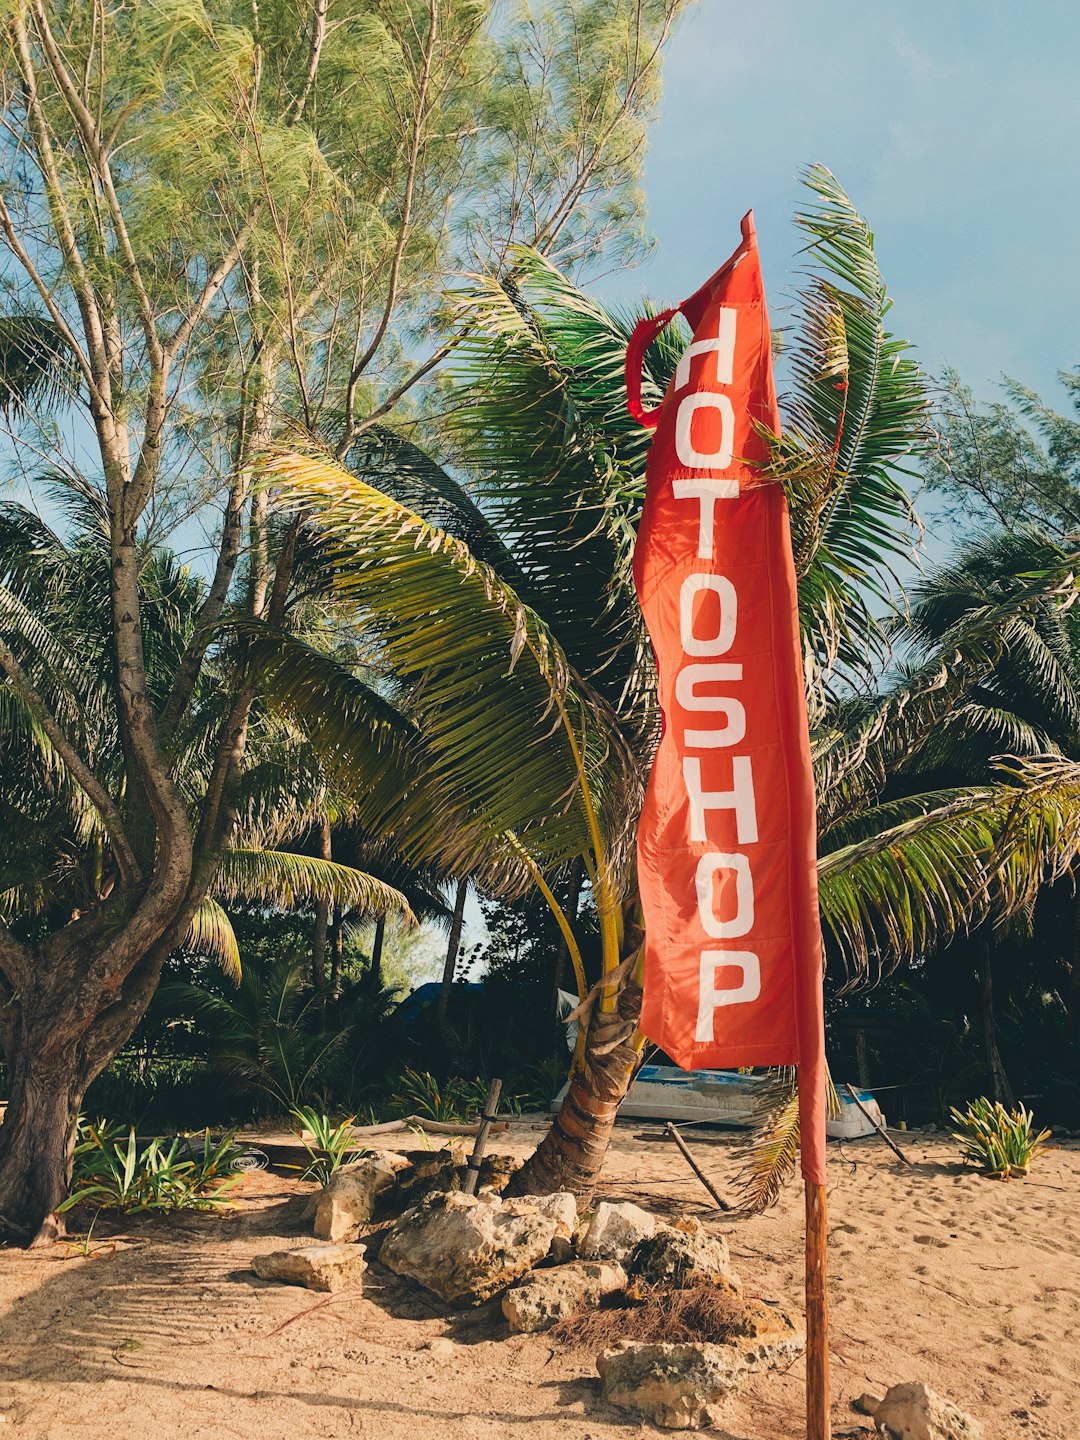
[211,933]
[37,370]
[930,867]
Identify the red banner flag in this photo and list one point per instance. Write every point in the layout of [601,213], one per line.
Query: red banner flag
[727,853]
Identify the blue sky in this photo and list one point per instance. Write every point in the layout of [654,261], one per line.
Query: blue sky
[954,127]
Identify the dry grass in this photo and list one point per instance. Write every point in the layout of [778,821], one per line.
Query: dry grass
[657,1313]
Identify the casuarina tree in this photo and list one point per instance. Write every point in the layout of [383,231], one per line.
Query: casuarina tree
[217,215]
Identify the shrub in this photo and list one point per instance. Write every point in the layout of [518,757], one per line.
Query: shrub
[999,1140]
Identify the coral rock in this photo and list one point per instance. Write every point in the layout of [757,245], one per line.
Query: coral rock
[467,1248]
[682,1387]
[351,1197]
[548,1296]
[614,1230]
[679,1258]
[912,1411]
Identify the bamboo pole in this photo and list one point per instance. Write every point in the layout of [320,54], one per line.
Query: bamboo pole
[818,1425]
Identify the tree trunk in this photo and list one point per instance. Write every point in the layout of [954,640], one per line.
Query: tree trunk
[375,968]
[571,1155]
[37,1138]
[862,1060]
[59,1030]
[337,951]
[452,946]
[999,1081]
[325,851]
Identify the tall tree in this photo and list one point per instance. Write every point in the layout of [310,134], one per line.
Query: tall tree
[216,214]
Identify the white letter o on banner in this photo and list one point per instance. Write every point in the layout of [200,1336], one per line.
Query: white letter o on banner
[742,922]
[724,591]
[720,458]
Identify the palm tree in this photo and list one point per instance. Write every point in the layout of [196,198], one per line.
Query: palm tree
[496,590]
[59,866]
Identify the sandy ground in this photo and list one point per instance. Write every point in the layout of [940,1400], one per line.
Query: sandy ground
[164,1332]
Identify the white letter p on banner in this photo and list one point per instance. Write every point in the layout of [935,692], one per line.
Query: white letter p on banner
[710,998]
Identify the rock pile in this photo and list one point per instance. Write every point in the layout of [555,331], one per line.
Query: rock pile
[551,1268]
[386,1182]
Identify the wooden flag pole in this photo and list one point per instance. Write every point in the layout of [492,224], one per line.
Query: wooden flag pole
[817,1316]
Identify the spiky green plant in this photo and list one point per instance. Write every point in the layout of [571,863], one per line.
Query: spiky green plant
[113,1172]
[329,1143]
[1003,1142]
[421,1094]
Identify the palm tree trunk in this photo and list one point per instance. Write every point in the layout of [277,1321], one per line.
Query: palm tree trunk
[322,911]
[999,1081]
[571,1155]
[452,946]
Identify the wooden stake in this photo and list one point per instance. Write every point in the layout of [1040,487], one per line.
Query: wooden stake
[818,1426]
[681,1143]
[491,1107]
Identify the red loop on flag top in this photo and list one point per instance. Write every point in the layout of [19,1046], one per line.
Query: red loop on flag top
[645,332]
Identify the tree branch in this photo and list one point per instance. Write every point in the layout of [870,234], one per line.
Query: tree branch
[87,128]
[98,371]
[295,111]
[419,120]
[86,779]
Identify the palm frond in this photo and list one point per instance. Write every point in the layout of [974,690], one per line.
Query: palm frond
[502,712]
[211,933]
[539,419]
[952,862]
[855,418]
[36,366]
[288,880]
[772,1151]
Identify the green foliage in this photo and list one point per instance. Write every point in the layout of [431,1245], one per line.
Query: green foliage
[265,1035]
[1002,1141]
[330,1145]
[36,367]
[116,1173]
[773,1151]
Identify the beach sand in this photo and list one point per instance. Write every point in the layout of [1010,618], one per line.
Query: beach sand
[936,1274]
